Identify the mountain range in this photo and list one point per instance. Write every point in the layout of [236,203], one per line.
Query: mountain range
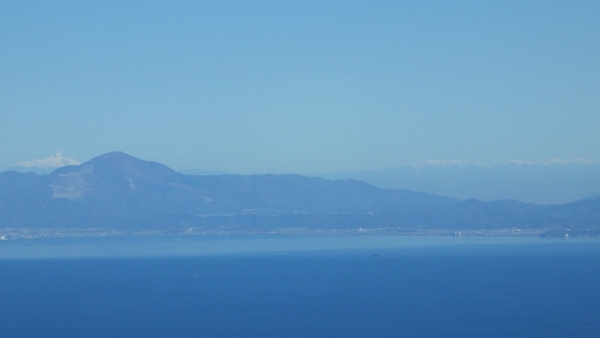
[544,182]
[119,191]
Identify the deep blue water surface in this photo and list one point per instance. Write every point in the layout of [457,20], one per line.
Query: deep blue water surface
[545,289]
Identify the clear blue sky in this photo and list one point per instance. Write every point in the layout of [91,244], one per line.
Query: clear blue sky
[300,86]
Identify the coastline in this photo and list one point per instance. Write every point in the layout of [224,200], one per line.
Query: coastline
[40,233]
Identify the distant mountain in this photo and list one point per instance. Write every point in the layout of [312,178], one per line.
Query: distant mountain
[548,182]
[116,190]
[44,166]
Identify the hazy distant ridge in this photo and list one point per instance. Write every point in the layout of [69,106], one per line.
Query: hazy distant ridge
[546,182]
[120,191]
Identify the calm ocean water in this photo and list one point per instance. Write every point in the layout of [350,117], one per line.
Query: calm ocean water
[363,286]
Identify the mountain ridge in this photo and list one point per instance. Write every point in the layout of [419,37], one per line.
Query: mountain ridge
[547,182]
[117,190]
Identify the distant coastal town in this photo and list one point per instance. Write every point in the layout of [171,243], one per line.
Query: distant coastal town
[35,233]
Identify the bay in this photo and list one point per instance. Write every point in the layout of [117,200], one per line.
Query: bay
[355,286]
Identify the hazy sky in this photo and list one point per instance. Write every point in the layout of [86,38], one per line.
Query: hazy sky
[304,86]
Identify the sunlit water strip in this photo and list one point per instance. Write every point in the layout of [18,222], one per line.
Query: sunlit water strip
[180,246]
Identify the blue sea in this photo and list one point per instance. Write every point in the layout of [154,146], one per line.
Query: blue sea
[300,286]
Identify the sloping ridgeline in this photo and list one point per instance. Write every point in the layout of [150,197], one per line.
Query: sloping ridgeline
[116,190]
